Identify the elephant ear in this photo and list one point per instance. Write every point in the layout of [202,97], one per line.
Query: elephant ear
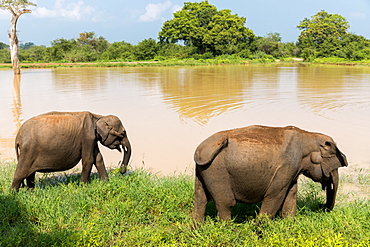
[209,148]
[332,158]
[103,129]
[316,157]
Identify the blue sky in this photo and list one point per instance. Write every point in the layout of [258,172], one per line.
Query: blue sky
[133,21]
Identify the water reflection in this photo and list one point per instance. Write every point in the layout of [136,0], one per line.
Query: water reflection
[9,129]
[168,111]
[326,89]
[73,79]
[202,93]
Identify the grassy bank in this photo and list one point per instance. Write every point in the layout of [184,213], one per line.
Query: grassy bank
[158,63]
[220,60]
[142,209]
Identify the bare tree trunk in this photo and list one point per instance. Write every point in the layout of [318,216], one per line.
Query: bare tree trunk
[13,40]
[17,104]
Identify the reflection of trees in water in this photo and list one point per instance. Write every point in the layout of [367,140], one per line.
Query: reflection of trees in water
[205,92]
[8,142]
[324,88]
[202,93]
[80,79]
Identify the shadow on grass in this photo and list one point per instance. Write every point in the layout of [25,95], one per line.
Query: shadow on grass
[19,228]
[51,180]
[242,212]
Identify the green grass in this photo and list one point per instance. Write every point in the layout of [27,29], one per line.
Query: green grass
[220,60]
[143,209]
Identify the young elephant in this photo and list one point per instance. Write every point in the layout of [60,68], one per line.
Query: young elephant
[57,141]
[260,163]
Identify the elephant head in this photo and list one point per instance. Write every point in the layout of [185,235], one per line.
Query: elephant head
[322,166]
[112,134]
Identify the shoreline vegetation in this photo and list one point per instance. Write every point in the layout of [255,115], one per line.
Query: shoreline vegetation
[144,209]
[222,60]
[200,34]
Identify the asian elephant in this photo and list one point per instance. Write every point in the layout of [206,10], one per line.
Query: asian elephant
[260,163]
[57,141]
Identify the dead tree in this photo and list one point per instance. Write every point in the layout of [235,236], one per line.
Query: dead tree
[16,8]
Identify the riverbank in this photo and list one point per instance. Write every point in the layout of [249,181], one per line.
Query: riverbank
[142,209]
[191,62]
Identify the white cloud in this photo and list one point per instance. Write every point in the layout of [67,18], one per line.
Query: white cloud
[72,11]
[358,16]
[176,8]
[154,11]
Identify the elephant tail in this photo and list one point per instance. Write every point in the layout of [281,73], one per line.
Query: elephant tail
[210,148]
[17,150]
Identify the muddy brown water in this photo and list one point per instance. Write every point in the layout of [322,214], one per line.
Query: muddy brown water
[168,111]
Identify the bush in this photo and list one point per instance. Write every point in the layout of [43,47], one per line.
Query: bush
[4,56]
[206,55]
[245,53]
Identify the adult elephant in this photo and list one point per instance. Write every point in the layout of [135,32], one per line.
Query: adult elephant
[260,163]
[57,141]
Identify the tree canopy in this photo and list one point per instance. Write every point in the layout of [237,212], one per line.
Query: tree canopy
[200,31]
[201,25]
[322,33]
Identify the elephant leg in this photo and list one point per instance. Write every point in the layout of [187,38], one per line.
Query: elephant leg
[31,180]
[272,202]
[200,201]
[223,197]
[224,209]
[290,203]
[17,181]
[19,176]
[99,164]
[86,171]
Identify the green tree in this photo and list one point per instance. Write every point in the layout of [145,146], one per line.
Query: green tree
[322,33]
[3,45]
[4,56]
[86,48]
[269,44]
[119,51]
[59,48]
[201,25]
[16,8]
[26,45]
[94,44]
[171,50]
[33,53]
[354,47]
[272,45]
[146,49]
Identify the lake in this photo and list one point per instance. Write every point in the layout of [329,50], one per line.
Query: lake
[168,111]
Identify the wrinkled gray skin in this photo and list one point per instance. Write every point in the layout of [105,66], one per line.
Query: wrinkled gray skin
[57,141]
[260,163]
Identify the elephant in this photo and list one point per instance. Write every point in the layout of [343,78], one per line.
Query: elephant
[57,141]
[262,164]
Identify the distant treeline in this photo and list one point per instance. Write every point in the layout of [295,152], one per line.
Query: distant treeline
[89,48]
[197,34]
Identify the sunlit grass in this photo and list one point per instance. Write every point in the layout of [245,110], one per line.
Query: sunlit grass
[143,209]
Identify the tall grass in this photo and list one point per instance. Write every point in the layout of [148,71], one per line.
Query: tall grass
[142,209]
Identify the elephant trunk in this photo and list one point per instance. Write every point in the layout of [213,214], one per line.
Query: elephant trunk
[126,146]
[331,189]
